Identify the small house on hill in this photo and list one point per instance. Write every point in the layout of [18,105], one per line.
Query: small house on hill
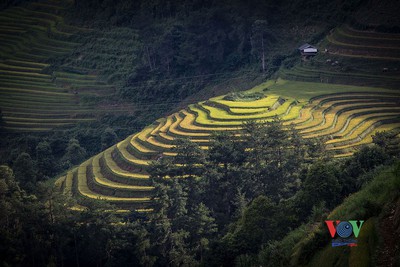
[308,50]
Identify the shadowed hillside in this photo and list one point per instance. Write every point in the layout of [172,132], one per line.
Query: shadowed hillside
[198,133]
[34,95]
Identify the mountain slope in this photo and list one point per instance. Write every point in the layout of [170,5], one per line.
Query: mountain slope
[376,204]
[37,95]
[351,56]
[346,116]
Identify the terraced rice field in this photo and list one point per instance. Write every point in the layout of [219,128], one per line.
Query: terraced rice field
[353,57]
[33,97]
[355,43]
[346,116]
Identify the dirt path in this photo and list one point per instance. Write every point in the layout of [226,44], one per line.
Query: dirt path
[389,232]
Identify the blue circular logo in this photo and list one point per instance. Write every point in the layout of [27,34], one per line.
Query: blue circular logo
[344,229]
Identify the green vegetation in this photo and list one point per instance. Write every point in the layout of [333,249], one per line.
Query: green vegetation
[349,56]
[344,120]
[255,146]
[28,88]
[223,206]
[243,97]
[370,204]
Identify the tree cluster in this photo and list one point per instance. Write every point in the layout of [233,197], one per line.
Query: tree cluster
[36,158]
[252,189]
[226,206]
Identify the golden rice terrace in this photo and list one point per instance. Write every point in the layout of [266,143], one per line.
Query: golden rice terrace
[347,116]
[305,96]
[308,96]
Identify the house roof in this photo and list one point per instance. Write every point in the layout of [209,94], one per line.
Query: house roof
[310,50]
[304,46]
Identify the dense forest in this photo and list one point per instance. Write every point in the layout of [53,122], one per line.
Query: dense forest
[198,41]
[245,201]
[223,207]
[163,55]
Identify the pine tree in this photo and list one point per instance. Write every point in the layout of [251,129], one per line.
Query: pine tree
[45,160]
[74,154]
[25,171]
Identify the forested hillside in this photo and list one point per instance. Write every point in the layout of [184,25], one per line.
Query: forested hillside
[196,133]
[89,72]
[112,67]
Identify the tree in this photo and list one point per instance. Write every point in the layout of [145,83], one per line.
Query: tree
[167,48]
[225,176]
[273,161]
[108,138]
[25,171]
[202,229]
[356,169]
[321,185]
[142,245]
[1,121]
[255,227]
[45,160]
[96,222]
[179,253]
[383,139]
[190,156]
[10,198]
[74,154]
[160,223]
[226,149]
[366,159]
[24,224]
[259,32]
[181,226]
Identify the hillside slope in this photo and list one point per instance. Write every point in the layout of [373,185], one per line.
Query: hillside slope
[351,56]
[345,116]
[378,205]
[37,94]
[40,96]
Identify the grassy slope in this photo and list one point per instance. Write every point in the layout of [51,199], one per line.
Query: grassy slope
[303,91]
[37,93]
[369,204]
[357,57]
